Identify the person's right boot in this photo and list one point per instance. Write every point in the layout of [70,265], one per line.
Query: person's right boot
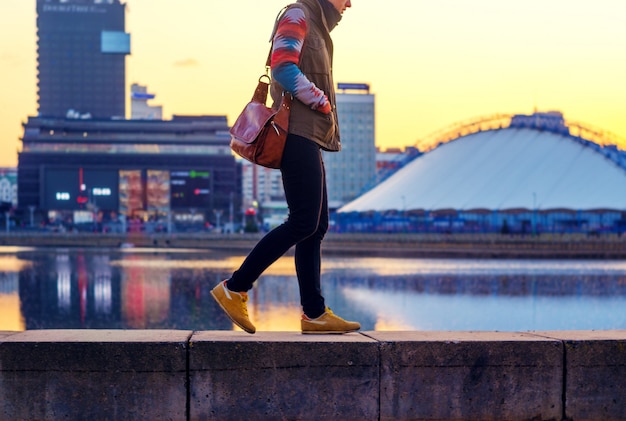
[328,322]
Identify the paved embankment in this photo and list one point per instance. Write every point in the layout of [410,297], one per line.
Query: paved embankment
[185,375]
[608,246]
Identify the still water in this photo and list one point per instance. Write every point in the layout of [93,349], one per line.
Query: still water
[169,289]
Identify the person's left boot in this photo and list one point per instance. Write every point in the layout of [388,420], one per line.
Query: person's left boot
[234,305]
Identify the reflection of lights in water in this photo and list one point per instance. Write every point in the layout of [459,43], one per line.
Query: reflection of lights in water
[8,282]
[13,264]
[274,317]
[383,324]
[102,295]
[14,249]
[410,266]
[64,284]
[283,266]
[145,295]
[399,266]
[274,303]
[10,314]
[102,290]
[171,290]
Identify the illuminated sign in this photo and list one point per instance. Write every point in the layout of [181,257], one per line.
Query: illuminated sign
[190,174]
[76,188]
[190,189]
[101,191]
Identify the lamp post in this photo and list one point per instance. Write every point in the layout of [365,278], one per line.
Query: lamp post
[31,208]
[230,214]
[534,214]
[218,214]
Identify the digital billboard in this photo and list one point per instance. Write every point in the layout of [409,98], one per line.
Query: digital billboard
[131,191]
[102,189]
[190,189]
[78,188]
[158,191]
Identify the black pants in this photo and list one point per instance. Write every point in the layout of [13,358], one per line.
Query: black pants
[304,181]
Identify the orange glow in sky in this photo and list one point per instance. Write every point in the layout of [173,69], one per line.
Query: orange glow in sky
[429,63]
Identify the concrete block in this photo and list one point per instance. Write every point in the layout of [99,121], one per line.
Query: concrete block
[93,374]
[469,376]
[287,375]
[595,374]
[4,334]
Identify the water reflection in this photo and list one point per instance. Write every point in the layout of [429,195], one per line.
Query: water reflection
[150,289]
[10,314]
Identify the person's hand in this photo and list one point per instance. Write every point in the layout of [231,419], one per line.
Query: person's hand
[325,107]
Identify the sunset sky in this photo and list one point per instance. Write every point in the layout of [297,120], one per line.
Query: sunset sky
[429,63]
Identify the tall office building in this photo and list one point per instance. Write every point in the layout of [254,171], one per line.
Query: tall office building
[81,56]
[350,170]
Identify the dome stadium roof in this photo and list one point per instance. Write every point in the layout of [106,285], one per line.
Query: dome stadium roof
[522,166]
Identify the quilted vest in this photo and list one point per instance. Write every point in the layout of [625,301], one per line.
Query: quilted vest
[316,59]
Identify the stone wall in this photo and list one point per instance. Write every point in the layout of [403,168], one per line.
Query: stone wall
[185,375]
[565,246]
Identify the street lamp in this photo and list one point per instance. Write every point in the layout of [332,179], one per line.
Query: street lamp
[31,208]
[534,214]
[218,214]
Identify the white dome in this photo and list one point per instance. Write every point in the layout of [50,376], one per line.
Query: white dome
[503,169]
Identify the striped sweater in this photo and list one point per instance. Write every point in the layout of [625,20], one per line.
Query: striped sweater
[288,41]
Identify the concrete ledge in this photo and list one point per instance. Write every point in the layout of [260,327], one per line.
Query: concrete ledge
[283,376]
[595,374]
[93,375]
[470,375]
[184,375]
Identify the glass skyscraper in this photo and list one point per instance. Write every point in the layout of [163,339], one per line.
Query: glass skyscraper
[81,57]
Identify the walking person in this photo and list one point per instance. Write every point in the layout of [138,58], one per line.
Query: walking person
[301,64]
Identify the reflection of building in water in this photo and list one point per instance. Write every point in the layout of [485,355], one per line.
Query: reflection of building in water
[275,304]
[10,315]
[69,290]
[76,289]
[8,282]
[145,295]
[192,306]
[64,282]
[568,284]
[102,288]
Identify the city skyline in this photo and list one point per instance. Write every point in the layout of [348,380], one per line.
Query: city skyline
[429,64]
